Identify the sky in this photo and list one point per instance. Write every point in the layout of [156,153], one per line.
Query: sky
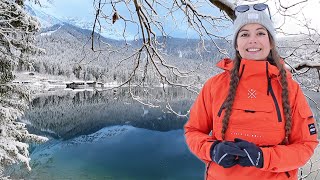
[305,12]
[83,10]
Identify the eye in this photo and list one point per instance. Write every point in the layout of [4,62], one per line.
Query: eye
[244,34]
[261,33]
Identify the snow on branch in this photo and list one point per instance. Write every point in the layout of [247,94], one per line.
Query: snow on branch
[14,137]
[147,53]
[17,37]
[307,64]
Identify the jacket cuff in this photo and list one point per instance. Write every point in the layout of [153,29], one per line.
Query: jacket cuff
[266,158]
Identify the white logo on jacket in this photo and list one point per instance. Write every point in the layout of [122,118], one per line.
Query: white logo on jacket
[252,93]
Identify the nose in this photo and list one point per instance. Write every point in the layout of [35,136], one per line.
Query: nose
[252,39]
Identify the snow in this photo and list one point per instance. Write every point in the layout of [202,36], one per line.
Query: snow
[14,136]
[42,83]
[307,63]
[107,132]
[48,33]
[44,152]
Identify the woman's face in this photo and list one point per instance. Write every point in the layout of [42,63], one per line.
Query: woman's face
[253,42]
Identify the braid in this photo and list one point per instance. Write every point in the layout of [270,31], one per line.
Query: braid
[284,95]
[234,80]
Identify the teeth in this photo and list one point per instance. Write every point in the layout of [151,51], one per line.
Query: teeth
[253,50]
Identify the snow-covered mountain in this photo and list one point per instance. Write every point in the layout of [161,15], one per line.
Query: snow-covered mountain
[79,22]
[51,20]
[45,19]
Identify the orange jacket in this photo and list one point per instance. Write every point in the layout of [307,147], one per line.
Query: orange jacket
[256,117]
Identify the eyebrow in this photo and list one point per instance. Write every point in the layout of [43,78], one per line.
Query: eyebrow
[260,28]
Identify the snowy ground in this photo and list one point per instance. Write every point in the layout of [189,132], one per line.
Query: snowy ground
[42,82]
[39,81]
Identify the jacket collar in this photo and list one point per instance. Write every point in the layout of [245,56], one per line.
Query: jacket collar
[252,67]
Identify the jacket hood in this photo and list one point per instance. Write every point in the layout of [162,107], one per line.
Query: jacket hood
[227,64]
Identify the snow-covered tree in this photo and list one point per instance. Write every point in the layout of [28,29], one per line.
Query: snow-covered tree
[17,33]
[14,137]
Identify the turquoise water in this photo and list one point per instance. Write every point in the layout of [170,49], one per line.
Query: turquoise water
[118,152]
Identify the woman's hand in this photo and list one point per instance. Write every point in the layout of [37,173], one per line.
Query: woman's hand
[254,155]
[226,153]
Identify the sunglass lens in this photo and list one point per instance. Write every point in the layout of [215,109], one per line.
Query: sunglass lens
[260,7]
[242,8]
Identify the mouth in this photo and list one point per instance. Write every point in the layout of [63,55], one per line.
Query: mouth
[253,49]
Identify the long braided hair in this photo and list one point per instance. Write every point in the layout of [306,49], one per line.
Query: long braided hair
[274,59]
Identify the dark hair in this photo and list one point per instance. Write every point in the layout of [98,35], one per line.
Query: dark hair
[234,81]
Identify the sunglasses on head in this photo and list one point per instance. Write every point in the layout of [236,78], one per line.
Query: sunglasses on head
[257,7]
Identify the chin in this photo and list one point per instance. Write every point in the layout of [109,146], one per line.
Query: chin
[256,58]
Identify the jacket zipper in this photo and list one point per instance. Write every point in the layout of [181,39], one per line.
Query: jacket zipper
[287,173]
[270,90]
[275,103]
[274,100]
[207,169]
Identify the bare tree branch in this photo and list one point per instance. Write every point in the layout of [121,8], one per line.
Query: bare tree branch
[225,6]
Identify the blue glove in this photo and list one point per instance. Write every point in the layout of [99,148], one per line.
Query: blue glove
[226,153]
[254,156]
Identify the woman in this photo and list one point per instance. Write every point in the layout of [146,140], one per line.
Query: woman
[252,121]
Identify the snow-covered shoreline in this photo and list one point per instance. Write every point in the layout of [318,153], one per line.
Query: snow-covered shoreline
[47,82]
[38,83]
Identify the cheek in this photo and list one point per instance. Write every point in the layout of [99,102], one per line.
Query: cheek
[239,45]
[268,46]
[241,48]
[267,43]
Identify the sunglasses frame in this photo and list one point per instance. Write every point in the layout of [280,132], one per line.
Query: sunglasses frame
[254,6]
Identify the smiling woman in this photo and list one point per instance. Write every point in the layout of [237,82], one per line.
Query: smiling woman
[252,121]
[253,42]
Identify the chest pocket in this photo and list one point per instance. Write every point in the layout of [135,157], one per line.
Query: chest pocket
[253,121]
[254,115]
[250,114]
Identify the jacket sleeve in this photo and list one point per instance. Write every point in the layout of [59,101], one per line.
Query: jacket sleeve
[302,140]
[199,125]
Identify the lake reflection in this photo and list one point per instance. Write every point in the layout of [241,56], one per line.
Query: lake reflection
[106,135]
[71,114]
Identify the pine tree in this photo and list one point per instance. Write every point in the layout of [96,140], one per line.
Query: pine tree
[17,37]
